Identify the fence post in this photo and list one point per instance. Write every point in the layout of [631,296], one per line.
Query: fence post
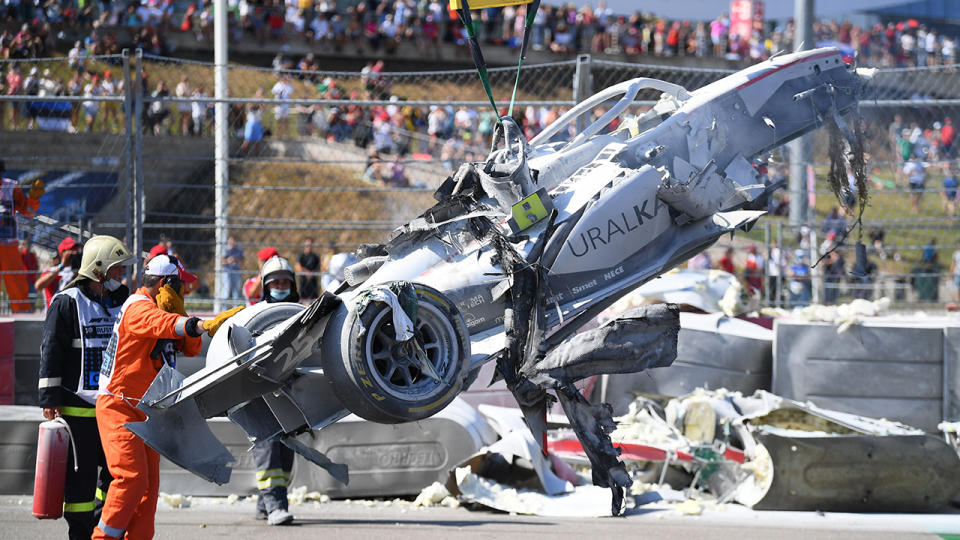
[128,144]
[782,267]
[582,84]
[138,200]
[765,284]
[221,151]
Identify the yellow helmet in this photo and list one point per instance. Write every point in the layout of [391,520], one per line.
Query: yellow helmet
[101,253]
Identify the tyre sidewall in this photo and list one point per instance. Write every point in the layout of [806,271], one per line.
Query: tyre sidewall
[348,369]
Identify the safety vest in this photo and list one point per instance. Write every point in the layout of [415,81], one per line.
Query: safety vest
[96,331]
[8,218]
[109,355]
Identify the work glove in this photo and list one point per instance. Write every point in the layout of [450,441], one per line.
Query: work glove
[37,190]
[212,325]
[170,300]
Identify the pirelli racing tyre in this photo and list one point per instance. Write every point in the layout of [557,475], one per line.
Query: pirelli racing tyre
[379,378]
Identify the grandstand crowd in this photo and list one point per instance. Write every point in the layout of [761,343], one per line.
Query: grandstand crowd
[33,29]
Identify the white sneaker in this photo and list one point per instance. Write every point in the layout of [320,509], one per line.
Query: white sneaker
[279,517]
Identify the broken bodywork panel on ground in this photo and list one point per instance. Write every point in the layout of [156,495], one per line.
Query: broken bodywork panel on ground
[519,252]
[691,451]
[772,453]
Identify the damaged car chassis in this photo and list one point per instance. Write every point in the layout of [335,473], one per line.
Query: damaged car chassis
[519,252]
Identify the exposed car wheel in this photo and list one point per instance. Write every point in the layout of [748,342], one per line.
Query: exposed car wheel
[379,378]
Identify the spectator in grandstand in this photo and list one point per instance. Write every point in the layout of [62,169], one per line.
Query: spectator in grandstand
[308,264]
[76,55]
[111,88]
[834,222]
[283,89]
[754,268]
[925,276]
[64,268]
[159,111]
[776,268]
[183,90]
[950,192]
[91,108]
[829,243]
[916,177]
[15,88]
[947,136]
[726,262]
[863,285]
[50,85]
[31,87]
[253,127]
[199,111]
[398,175]
[799,286]
[231,282]
[75,88]
[834,276]
[376,171]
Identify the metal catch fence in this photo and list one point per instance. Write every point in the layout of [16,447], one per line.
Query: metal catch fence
[342,158]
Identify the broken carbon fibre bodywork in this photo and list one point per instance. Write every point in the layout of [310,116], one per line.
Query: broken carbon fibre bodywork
[519,252]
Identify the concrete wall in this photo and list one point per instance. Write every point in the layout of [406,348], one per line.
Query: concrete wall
[904,370]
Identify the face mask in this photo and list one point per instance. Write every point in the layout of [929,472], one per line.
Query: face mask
[279,294]
[112,285]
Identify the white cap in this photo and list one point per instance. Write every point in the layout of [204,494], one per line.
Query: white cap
[165,265]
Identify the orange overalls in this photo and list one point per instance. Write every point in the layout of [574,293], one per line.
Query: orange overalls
[142,331]
[14,274]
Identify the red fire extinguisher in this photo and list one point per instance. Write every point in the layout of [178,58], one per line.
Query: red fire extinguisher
[52,448]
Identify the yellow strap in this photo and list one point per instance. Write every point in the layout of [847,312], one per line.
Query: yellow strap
[272,482]
[101,495]
[86,412]
[78,507]
[270,473]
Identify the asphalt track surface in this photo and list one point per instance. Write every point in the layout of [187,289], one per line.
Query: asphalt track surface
[378,520]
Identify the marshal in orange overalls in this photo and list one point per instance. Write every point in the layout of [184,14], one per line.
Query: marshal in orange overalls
[144,337]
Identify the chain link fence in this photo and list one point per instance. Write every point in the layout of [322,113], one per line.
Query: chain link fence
[342,158]
[63,122]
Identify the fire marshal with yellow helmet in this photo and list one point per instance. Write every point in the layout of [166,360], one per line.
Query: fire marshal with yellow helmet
[76,331]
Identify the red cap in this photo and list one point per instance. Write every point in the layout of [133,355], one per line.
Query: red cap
[158,249]
[267,252]
[67,243]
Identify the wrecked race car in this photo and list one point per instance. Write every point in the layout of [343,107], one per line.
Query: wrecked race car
[519,252]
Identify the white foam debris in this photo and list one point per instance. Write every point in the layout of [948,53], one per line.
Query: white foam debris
[639,426]
[432,495]
[843,315]
[176,500]
[299,495]
[689,507]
